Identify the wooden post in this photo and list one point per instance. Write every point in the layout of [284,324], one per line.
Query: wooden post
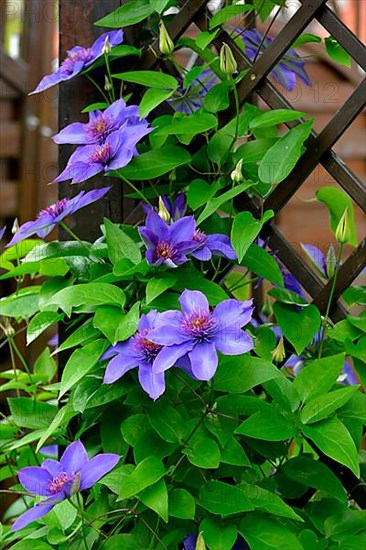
[77,28]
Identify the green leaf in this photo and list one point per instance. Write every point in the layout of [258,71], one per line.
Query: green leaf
[233,453]
[217,98]
[319,376]
[146,473]
[155,163]
[282,157]
[120,245]
[89,295]
[217,535]
[223,499]
[22,304]
[312,473]
[269,424]
[58,250]
[336,52]
[203,40]
[306,38]
[133,426]
[347,522]
[166,421]
[149,79]
[334,440]
[215,203]
[264,533]
[28,413]
[80,336]
[45,366]
[337,201]
[321,407]
[355,295]
[199,191]
[299,327]
[228,13]
[242,373]
[181,504]
[80,363]
[106,319]
[156,286]
[245,230]
[128,324]
[95,107]
[343,331]
[203,453]
[189,125]
[129,14]
[263,264]
[41,322]
[62,417]
[288,297]
[151,99]
[272,118]
[266,501]
[159,5]
[156,498]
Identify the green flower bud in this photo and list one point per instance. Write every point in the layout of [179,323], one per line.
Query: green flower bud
[163,212]
[15,227]
[200,544]
[343,231]
[267,309]
[107,83]
[228,64]
[237,174]
[166,44]
[278,354]
[107,46]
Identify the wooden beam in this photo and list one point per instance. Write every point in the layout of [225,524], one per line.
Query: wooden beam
[14,72]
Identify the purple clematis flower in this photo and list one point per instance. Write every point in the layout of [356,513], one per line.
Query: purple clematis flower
[188,100]
[138,351]
[2,231]
[52,215]
[101,124]
[115,152]
[168,244]
[217,244]
[60,480]
[198,333]
[78,59]
[287,70]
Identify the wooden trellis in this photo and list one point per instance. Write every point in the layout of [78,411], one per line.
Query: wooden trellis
[76,28]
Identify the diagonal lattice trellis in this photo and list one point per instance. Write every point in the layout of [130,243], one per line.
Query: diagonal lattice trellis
[319,146]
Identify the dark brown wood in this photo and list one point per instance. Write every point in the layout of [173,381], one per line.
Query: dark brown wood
[14,72]
[76,28]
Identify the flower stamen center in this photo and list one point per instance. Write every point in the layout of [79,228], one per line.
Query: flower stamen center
[201,325]
[55,209]
[165,250]
[56,485]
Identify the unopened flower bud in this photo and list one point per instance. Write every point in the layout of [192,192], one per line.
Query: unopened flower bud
[107,83]
[15,227]
[237,174]
[331,261]
[343,231]
[166,44]
[267,309]
[8,329]
[163,211]
[278,354]
[228,64]
[106,46]
[200,544]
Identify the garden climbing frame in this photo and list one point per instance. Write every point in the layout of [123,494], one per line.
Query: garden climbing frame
[76,28]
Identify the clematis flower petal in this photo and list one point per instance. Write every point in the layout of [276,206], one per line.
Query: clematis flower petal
[192,301]
[74,457]
[52,466]
[118,366]
[167,329]
[38,511]
[233,341]
[169,355]
[97,467]
[234,312]
[35,480]
[152,383]
[204,360]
